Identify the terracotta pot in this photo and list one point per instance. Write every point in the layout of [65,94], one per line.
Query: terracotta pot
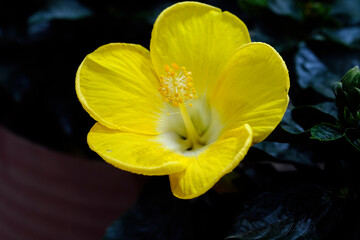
[50,195]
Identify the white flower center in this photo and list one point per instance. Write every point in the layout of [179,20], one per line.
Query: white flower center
[187,123]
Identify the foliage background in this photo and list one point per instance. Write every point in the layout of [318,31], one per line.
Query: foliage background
[301,183]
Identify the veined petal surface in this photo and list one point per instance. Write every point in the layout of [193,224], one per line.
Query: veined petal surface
[137,153]
[253,88]
[205,169]
[118,87]
[199,37]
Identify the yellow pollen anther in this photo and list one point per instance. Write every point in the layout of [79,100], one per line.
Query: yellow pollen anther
[176,85]
[175,66]
[167,68]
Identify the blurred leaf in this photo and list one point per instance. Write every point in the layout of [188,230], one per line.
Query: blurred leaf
[340,61]
[159,215]
[312,72]
[275,37]
[252,4]
[39,22]
[309,116]
[326,132]
[260,3]
[272,226]
[291,214]
[287,152]
[115,231]
[316,10]
[353,137]
[60,9]
[348,36]
[328,108]
[13,81]
[348,10]
[289,125]
[286,8]
[272,148]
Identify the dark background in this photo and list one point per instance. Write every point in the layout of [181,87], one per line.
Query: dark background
[302,181]
[43,42]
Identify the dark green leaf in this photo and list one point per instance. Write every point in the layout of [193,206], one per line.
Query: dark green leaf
[252,4]
[326,132]
[260,3]
[309,116]
[351,79]
[337,88]
[348,97]
[291,214]
[353,137]
[349,118]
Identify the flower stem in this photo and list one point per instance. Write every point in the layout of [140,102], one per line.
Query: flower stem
[193,135]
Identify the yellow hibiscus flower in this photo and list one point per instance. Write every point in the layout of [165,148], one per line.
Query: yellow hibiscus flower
[192,106]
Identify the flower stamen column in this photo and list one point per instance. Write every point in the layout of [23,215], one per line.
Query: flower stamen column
[177,88]
[192,134]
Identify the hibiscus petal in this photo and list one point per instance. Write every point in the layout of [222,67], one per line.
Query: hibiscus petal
[137,153]
[253,88]
[118,87]
[209,166]
[199,37]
